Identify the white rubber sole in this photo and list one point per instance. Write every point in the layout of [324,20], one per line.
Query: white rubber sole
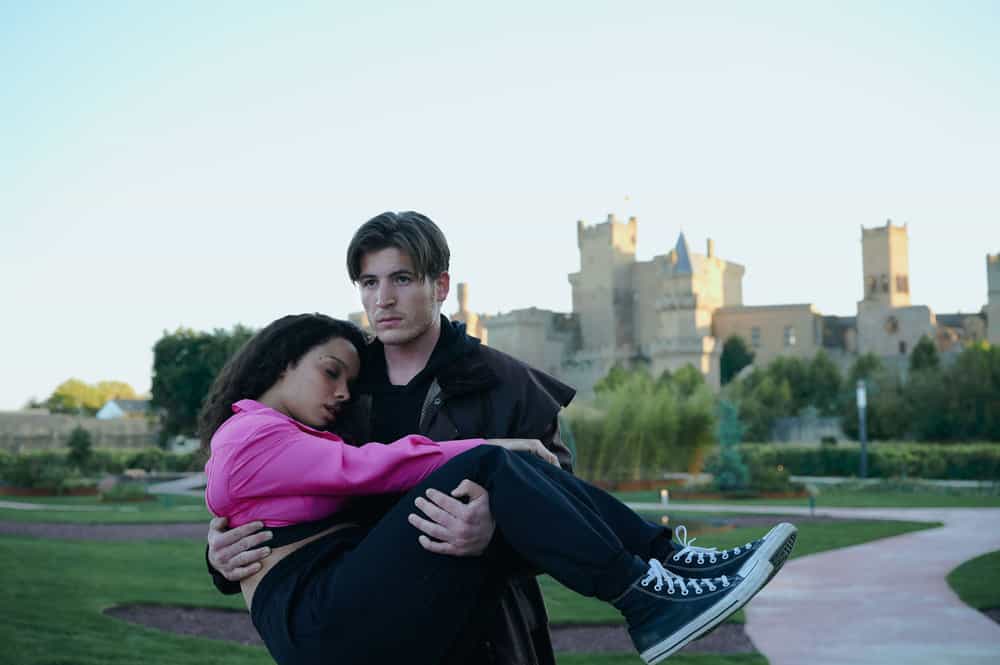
[711,617]
[773,552]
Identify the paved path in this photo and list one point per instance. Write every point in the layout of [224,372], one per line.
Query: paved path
[881,602]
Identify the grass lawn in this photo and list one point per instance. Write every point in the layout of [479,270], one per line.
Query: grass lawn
[855,496]
[53,593]
[977,581]
[91,510]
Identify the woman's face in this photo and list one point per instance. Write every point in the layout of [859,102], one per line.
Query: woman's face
[314,389]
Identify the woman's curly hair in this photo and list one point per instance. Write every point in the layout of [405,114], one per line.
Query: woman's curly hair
[256,366]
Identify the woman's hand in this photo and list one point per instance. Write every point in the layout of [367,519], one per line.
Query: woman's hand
[533,446]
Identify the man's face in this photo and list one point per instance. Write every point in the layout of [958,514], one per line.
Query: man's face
[400,306]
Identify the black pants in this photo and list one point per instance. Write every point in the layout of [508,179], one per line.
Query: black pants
[379,597]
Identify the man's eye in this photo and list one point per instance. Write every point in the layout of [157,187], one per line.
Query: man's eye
[367,283]
[333,374]
[402,279]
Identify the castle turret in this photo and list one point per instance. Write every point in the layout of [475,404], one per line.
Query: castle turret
[992,308]
[885,256]
[602,289]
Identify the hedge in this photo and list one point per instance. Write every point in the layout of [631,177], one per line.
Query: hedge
[974,461]
[51,469]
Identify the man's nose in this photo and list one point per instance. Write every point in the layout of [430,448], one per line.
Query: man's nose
[385,296]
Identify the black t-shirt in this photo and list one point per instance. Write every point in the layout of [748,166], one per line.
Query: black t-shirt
[396,409]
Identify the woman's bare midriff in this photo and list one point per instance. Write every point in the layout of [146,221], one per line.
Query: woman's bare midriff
[249,585]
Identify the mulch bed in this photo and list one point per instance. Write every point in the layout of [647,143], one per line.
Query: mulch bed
[235,626]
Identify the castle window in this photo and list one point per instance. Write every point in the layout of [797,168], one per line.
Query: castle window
[902,284]
[902,348]
[789,336]
[755,337]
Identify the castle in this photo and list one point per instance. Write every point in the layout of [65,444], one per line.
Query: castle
[679,308]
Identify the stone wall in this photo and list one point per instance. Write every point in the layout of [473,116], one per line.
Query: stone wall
[25,430]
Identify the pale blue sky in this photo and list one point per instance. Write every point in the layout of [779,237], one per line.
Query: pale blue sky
[202,164]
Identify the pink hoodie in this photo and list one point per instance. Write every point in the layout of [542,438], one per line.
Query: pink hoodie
[267,466]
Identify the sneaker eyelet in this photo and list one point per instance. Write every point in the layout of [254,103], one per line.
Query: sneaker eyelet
[658,587]
[644,583]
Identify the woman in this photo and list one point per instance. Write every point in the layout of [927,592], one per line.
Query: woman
[342,587]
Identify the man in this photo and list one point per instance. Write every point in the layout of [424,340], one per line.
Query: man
[423,374]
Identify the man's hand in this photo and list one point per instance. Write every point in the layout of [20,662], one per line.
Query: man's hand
[457,528]
[231,552]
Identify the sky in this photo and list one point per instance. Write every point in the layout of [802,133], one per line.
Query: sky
[205,164]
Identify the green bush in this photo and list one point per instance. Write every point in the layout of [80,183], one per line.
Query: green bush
[25,469]
[125,492]
[148,459]
[80,447]
[976,461]
[643,427]
[46,470]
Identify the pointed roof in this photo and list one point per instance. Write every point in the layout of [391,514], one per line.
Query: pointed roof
[683,265]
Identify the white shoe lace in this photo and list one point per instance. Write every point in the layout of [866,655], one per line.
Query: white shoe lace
[673,581]
[690,550]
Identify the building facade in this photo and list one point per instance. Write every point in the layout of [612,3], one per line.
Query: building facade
[680,307]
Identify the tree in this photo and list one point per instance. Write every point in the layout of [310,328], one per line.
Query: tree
[613,380]
[109,390]
[729,471]
[79,447]
[74,396]
[185,363]
[826,383]
[924,356]
[735,356]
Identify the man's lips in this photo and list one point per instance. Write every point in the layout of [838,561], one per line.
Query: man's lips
[389,320]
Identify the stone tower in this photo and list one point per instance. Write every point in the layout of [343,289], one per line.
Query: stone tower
[473,324]
[602,289]
[992,308]
[885,255]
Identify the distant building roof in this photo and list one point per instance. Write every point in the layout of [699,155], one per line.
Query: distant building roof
[132,405]
[683,265]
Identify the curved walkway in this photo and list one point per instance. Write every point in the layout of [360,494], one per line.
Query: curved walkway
[882,602]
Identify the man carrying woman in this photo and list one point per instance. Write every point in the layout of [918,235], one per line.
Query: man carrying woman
[424,375]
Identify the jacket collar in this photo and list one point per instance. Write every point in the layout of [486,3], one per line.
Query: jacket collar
[457,363]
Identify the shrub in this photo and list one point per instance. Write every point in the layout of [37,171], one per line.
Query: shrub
[979,461]
[644,427]
[148,459]
[125,491]
[79,444]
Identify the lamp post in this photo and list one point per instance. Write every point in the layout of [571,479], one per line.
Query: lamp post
[862,396]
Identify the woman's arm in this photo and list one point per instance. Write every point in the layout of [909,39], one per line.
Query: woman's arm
[280,459]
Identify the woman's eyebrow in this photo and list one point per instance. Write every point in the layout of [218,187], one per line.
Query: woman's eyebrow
[333,357]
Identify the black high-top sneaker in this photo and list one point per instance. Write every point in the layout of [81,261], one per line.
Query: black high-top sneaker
[693,561]
[665,612]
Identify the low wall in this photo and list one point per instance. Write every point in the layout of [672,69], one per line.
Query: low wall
[24,431]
